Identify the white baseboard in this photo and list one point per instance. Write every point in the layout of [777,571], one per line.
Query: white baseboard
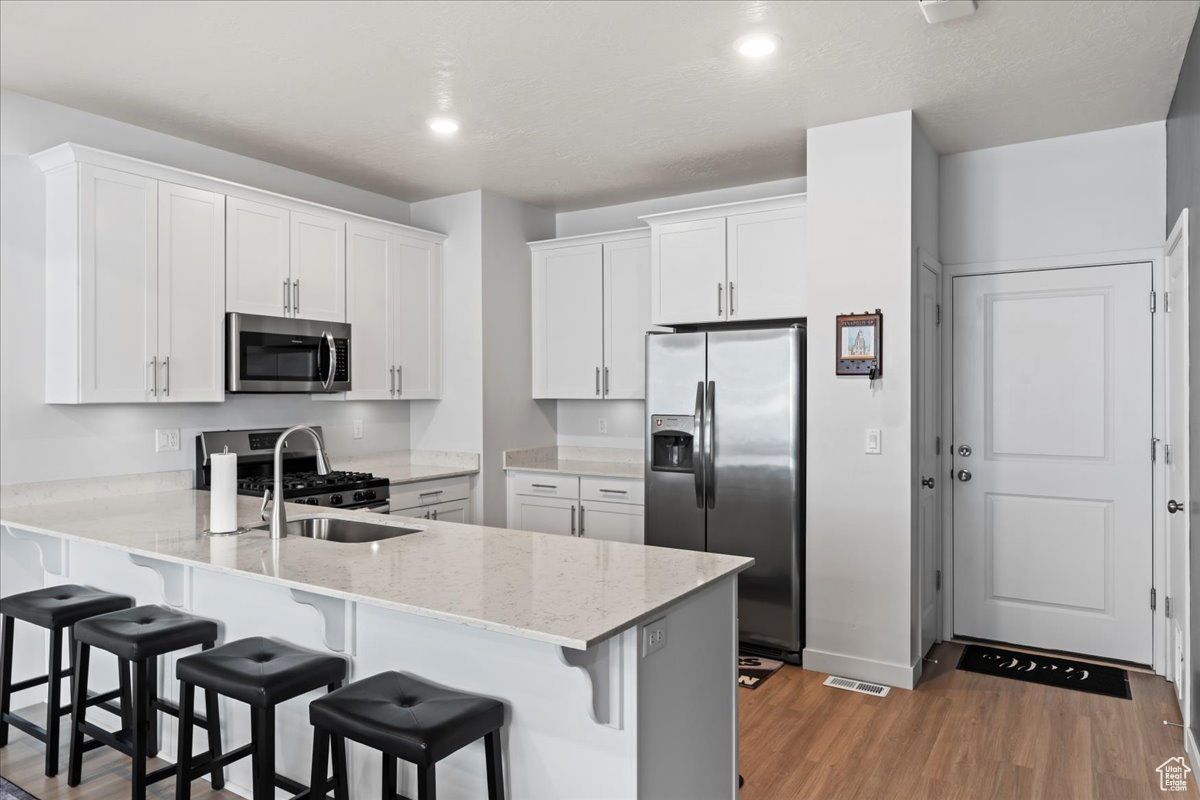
[901,676]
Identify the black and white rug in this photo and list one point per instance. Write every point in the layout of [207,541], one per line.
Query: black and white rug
[1047,670]
[753,670]
[10,791]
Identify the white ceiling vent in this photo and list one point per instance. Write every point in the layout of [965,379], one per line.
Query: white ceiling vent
[873,689]
[936,11]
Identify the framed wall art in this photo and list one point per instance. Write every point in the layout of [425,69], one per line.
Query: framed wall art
[860,344]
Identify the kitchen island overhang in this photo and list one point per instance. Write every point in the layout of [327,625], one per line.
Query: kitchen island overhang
[550,625]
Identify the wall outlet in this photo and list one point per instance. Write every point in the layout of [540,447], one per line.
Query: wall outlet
[358,429]
[654,636]
[166,440]
[872,442]
[603,426]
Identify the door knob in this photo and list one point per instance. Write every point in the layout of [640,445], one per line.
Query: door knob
[927,483]
[964,475]
[1173,506]
[964,450]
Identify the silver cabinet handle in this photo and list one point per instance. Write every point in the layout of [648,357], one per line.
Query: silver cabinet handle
[720,307]
[606,381]
[544,485]
[392,380]
[333,365]
[287,296]
[435,513]
[296,297]
[167,376]
[731,298]
[597,381]
[572,520]
[154,375]
[581,510]
[430,494]
[399,380]
[614,491]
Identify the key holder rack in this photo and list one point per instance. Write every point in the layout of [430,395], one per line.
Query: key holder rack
[859,344]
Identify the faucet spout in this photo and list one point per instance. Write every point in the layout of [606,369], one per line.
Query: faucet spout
[278,515]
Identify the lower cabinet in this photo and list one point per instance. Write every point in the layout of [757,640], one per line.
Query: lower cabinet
[444,500]
[570,505]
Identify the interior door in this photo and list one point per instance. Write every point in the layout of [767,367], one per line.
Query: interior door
[688,280]
[417,318]
[1052,429]
[257,268]
[1175,453]
[191,294]
[929,505]
[369,287]
[767,275]
[626,317]
[568,322]
[318,267]
[118,250]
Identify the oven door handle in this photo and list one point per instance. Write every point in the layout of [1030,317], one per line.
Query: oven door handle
[382,508]
[332,360]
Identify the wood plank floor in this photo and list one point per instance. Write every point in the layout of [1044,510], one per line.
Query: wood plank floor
[959,735]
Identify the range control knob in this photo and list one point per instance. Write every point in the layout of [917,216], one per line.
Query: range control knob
[335,499]
[359,496]
[312,501]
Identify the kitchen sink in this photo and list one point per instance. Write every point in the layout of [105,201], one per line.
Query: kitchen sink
[339,529]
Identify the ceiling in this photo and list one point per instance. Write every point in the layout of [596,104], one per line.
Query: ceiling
[578,104]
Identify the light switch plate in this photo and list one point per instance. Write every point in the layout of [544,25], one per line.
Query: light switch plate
[872,442]
[358,429]
[166,440]
[603,426]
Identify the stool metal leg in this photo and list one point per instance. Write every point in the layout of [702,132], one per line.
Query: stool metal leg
[152,705]
[341,776]
[426,783]
[141,723]
[211,710]
[54,701]
[123,668]
[6,657]
[389,778]
[183,760]
[264,753]
[495,766]
[78,714]
[319,776]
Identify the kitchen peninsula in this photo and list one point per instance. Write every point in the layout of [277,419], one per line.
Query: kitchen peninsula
[550,625]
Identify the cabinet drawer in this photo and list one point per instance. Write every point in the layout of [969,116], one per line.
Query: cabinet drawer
[547,484]
[449,511]
[613,490]
[427,493]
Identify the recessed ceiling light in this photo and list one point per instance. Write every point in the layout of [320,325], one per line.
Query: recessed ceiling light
[757,45]
[443,125]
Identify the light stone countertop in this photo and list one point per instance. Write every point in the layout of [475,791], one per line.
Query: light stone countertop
[411,466]
[563,590]
[604,462]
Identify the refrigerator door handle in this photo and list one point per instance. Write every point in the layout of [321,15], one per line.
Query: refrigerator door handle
[698,460]
[710,443]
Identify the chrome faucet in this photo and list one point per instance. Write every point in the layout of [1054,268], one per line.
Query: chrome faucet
[278,516]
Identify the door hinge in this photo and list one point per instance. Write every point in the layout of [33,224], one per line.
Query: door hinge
[1153,448]
[1153,598]
[937,445]
[937,580]
[1167,607]
[1153,302]
[938,312]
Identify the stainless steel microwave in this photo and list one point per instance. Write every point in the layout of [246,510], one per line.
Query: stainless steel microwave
[279,355]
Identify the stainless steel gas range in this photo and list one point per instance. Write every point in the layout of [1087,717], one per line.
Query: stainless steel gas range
[255,450]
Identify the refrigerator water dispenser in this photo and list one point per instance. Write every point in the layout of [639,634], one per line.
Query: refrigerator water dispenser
[673,443]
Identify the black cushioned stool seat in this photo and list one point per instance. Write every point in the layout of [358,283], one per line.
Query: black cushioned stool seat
[405,717]
[262,673]
[137,637]
[55,608]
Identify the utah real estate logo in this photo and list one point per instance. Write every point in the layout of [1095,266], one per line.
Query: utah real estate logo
[1172,775]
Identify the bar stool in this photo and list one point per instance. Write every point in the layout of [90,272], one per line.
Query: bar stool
[262,673]
[137,637]
[55,608]
[405,717]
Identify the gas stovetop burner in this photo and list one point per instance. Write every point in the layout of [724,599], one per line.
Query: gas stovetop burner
[300,483]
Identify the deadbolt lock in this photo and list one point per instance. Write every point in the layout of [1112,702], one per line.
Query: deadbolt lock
[964,450]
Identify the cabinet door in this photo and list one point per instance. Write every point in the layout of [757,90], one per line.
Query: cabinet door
[191,294]
[453,511]
[568,321]
[626,318]
[318,267]
[118,285]
[369,312]
[614,522]
[687,265]
[417,317]
[768,278]
[545,515]
[257,271]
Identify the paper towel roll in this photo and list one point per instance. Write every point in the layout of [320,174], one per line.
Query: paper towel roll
[222,513]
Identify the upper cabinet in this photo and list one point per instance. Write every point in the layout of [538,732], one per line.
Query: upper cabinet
[284,263]
[591,311]
[738,262]
[394,307]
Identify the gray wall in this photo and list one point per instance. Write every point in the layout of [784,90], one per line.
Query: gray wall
[1183,191]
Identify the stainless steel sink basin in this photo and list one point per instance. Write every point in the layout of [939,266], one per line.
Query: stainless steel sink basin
[346,531]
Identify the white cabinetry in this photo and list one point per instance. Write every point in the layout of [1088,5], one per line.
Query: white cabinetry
[738,262]
[444,499]
[573,505]
[284,263]
[133,287]
[591,311]
[394,303]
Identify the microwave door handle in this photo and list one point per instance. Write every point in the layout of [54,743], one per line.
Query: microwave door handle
[698,459]
[333,365]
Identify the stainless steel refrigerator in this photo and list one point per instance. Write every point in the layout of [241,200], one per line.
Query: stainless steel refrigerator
[725,465]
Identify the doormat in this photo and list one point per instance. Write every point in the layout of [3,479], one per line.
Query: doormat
[10,791]
[1046,670]
[753,671]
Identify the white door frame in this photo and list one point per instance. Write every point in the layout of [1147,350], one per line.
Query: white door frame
[1153,255]
[925,261]
[1179,235]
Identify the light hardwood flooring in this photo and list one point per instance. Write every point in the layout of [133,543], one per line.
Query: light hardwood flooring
[958,735]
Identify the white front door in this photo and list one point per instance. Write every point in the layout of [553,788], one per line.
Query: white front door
[1175,452]
[929,515]
[1052,430]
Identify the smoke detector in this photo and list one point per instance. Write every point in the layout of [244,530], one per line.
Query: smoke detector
[936,11]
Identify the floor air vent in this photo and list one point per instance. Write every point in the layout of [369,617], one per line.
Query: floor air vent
[849,685]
